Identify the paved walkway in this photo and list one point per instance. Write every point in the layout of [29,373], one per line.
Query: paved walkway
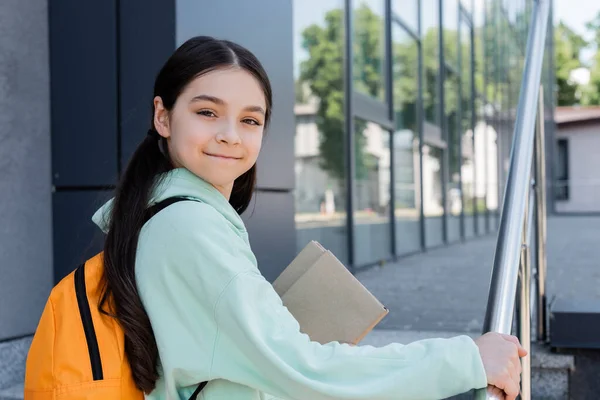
[444,291]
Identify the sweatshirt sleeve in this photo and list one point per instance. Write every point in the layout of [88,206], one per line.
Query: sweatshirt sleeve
[212,278]
[260,345]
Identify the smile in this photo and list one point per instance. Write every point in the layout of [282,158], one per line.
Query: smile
[222,157]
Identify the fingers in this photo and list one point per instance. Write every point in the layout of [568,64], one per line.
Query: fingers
[498,393]
[515,340]
[515,373]
[522,352]
[512,389]
[509,381]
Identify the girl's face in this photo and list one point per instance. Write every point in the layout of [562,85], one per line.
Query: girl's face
[215,128]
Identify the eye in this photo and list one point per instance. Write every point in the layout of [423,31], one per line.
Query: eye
[251,121]
[206,113]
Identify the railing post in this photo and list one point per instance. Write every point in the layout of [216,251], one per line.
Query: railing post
[540,217]
[524,295]
[503,286]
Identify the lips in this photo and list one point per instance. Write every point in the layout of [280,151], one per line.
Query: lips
[222,156]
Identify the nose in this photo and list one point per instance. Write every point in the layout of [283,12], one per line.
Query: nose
[228,133]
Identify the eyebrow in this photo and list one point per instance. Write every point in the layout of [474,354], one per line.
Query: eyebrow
[216,100]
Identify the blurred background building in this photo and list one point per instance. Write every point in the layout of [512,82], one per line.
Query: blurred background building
[577,185]
[404,119]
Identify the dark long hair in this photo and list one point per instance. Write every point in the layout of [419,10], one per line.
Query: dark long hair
[194,58]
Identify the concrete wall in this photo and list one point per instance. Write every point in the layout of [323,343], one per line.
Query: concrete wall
[584,167]
[25,200]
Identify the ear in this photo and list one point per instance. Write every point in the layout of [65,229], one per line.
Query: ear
[161,118]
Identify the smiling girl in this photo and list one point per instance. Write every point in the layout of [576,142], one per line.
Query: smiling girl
[185,284]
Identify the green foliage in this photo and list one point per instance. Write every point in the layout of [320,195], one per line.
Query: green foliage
[323,71]
[591,93]
[568,46]
[499,56]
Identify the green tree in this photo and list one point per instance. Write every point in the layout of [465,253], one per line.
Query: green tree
[568,45]
[591,94]
[323,72]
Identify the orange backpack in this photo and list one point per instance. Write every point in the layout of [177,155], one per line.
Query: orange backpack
[78,352]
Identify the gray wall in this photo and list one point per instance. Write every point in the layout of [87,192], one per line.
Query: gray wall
[113,49]
[265,28]
[123,44]
[583,166]
[25,200]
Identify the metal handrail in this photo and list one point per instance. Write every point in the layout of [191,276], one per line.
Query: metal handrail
[512,258]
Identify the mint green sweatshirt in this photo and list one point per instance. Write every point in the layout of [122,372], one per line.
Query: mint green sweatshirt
[217,319]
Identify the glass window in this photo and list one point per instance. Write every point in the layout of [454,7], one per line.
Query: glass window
[451,39]
[468,142]
[468,5]
[490,53]
[368,44]
[480,48]
[405,70]
[453,196]
[430,35]
[432,196]
[372,228]
[480,165]
[491,159]
[562,169]
[408,11]
[320,194]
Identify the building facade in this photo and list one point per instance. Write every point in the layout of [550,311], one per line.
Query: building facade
[391,129]
[404,120]
[577,186]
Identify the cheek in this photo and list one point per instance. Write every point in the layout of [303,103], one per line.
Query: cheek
[254,146]
[193,137]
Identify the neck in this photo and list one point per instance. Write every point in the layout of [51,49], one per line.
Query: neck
[225,190]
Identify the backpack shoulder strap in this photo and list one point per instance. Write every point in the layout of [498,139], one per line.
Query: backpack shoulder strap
[151,212]
[198,390]
[158,207]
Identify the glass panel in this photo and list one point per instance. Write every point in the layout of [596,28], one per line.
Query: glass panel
[467,165]
[480,50]
[368,44]
[432,131]
[406,141]
[481,145]
[451,40]
[490,51]
[432,195]
[408,11]
[372,229]
[453,197]
[491,160]
[320,194]
[480,165]
[562,170]
[430,34]
[451,110]
[468,5]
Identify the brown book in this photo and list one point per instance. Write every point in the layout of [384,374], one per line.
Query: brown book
[329,303]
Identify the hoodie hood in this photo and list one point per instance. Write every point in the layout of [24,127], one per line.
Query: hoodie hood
[179,182]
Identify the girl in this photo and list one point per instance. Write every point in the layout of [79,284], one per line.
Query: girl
[186,287]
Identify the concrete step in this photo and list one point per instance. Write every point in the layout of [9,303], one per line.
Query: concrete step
[12,393]
[13,354]
[550,372]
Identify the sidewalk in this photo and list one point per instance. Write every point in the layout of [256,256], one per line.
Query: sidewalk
[444,291]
